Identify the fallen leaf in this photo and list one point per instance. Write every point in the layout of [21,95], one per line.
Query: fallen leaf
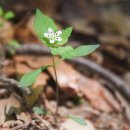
[72,81]
[99,97]
[6,105]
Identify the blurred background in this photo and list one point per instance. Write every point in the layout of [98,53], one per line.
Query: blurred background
[104,22]
[94,21]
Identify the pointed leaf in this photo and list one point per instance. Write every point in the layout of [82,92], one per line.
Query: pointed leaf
[29,78]
[79,120]
[85,50]
[68,52]
[9,15]
[65,35]
[41,25]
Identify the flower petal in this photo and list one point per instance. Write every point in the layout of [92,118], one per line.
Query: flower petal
[58,33]
[52,40]
[50,31]
[47,35]
[58,39]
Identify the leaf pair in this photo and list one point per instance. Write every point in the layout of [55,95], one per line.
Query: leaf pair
[43,23]
[68,52]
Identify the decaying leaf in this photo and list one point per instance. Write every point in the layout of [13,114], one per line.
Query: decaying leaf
[101,98]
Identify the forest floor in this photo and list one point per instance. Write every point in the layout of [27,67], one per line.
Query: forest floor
[95,88]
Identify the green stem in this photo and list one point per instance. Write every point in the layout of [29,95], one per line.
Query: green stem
[57,90]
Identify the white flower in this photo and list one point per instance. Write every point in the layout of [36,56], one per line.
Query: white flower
[53,36]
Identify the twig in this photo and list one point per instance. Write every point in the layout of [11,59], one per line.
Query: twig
[32,49]
[22,126]
[12,85]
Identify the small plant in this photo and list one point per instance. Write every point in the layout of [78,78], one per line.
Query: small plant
[6,26]
[13,44]
[6,15]
[79,120]
[39,110]
[55,40]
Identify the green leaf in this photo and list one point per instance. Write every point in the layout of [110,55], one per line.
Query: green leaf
[14,43]
[80,121]
[1,25]
[68,52]
[85,50]
[65,35]
[9,15]
[1,11]
[39,110]
[13,46]
[29,78]
[41,25]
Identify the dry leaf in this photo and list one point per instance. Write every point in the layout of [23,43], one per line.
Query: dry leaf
[99,97]
[5,106]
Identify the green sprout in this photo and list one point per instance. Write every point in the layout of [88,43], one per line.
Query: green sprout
[13,44]
[1,11]
[6,15]
[79,120]
[39,110]
[55,40]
